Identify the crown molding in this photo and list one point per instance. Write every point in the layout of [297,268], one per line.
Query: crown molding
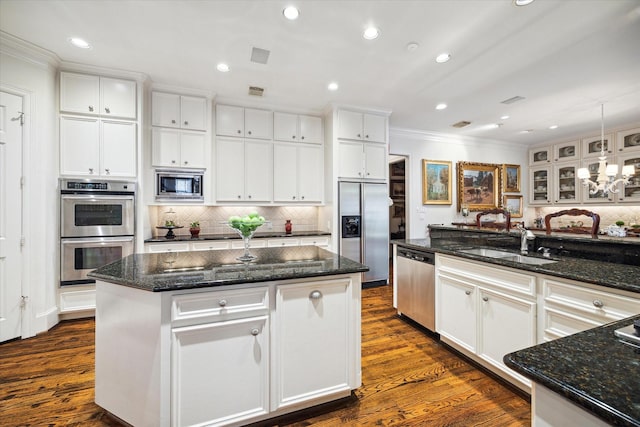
[103,71]
[25,51]
[431,136]
[162,87]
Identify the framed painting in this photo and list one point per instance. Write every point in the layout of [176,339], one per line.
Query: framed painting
[511,178]
[436,182]
[513,204]
[479,185]
[397,189]
[397,170]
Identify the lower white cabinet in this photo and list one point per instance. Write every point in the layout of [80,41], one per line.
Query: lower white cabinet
[313,333]
[485,312]
[212,245]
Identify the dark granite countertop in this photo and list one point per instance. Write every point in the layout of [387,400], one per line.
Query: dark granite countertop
[227,236]
[593,369]
[618,276]
[202,269]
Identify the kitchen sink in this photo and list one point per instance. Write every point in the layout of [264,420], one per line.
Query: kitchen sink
[507,256]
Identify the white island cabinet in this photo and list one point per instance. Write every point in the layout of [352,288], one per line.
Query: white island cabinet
[227,355]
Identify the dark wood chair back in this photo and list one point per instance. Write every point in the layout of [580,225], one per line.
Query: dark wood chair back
[575,212]
[504,212]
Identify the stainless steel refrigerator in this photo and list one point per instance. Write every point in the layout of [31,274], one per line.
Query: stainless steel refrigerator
[364,228]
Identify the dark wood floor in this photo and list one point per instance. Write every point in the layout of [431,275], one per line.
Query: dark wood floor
[409,379]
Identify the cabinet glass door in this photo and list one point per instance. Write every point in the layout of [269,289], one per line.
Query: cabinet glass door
[540,186]
[599,196]
[540,155]
[566,185]
[631,192]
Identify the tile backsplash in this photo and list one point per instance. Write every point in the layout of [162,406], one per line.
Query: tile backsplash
[608,214]
[212,218]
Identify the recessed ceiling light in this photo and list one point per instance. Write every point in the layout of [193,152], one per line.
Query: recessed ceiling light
[495,125]
[443,57]
[526,131]
[333,86]
[222,67]
[412,46]
[371,33]
[78,42]
[505,117]
[522,2]
[291,13]
[441,106]
[553,127]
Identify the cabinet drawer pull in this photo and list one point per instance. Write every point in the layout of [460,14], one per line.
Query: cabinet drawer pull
[107,171]
[467,292]
[107,110]
[222,302]
[315,295]
[91,171]
[485,299]
[91,108]
[255,331]
[173,162]
[598,303]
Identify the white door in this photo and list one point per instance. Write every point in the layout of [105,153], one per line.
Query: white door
[118,149]
[10,215]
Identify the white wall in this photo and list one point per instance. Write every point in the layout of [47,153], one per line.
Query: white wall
[422,145]
[32,72]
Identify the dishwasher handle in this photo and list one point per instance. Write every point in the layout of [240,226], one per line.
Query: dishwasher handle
[425,257]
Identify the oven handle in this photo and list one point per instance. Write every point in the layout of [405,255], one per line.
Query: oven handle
[94,240]
[95,197]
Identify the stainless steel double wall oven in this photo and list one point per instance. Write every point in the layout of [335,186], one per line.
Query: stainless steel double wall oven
[97,225]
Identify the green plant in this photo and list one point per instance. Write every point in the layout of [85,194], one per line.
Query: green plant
[195,224]
[619,223]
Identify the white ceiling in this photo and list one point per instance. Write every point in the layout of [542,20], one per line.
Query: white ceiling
[566,57]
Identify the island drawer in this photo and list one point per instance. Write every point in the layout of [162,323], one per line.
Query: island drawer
[218,306]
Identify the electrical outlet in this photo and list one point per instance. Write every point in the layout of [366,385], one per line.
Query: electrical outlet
[269,225]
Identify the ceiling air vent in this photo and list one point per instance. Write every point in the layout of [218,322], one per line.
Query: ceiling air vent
[512,100]
[260,56]
[461,124]
[256,91]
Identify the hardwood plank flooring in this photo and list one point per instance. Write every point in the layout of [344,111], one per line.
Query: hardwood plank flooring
[408,379]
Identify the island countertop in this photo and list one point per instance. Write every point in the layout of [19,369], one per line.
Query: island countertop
[156,272]
[593,369]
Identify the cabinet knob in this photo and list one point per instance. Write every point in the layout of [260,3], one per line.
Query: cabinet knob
[293,198]
[359,173]
[91,171]
[597,303]
[368,174]
[91,108]
[293,137]
[485,299]
[366,136]
[239,131]
[467,292]
[186,123]
[249,132]
[222,302]
[302,137]
[249,196]
[186,162]
[173,122]
[315,295]
[302,197]
[359,136]
[255,331]
[107,110]
[107,171]
[239,196]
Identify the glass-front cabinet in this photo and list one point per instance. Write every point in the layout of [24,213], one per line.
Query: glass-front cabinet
[566,151]
[540,155]
[598,197]
[628,141]
[631,192]
[540,191]
[566,184]
[592,147]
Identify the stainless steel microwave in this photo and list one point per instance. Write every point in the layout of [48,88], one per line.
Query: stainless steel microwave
[185,184]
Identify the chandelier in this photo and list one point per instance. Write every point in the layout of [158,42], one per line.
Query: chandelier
[605,181]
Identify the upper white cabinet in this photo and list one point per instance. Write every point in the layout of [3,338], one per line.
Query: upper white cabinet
[178,111]
[93,147]
[175,148]
[566,151]
[243,170]
[628,141]
[297,173]
[362,126]
[540,155]
[541,182]
[297,128]
[98,96]
[631,192]
[244,122]
[361,160]
[592,147]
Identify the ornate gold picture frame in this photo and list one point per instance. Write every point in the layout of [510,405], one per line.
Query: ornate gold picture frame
[479,185]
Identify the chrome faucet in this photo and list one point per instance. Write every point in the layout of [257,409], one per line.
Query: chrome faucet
[525,236]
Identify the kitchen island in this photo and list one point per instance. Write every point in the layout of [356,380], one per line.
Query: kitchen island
[199,338]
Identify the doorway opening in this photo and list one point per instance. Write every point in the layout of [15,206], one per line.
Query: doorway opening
[398,193]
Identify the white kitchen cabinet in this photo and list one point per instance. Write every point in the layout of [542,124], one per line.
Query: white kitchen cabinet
[592,147]
[253,243]
[359,160]
[540,185]
[567,187]
[362,126]
[94,147]
[312,339]
[285,241]
[97,96]
[178,111]
[210,245]
[570,307]
[243,170]
[486,312]
[177,148]
[321,241]
[631,192]
[592,166]
[628,141]
[297,173]
[244,122]
[540,155]
[297,128]
[566,151]
[167,247]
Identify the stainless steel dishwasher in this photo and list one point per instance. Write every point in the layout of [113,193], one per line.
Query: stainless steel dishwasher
[416,288]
